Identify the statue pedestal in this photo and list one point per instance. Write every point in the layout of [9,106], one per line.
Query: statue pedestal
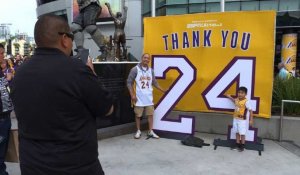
[113,75]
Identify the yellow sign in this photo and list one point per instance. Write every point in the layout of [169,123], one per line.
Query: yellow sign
[202,57]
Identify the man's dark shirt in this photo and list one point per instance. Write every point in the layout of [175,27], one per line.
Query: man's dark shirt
[57,100]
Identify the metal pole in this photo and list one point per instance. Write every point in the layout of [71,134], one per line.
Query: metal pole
[222,4]
[281,116]
[153,8]
[281,120]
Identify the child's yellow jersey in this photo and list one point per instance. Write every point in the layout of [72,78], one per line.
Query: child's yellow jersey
[241,110]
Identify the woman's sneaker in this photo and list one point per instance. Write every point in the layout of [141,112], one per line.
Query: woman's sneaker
[152,134]
[138,134]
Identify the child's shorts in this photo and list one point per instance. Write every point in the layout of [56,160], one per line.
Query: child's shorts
[239,126]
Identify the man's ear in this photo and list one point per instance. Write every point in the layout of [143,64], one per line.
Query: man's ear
[64,42]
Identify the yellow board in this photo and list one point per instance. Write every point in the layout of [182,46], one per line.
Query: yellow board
[211,41]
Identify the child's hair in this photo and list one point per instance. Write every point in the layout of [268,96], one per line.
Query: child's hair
[243,89]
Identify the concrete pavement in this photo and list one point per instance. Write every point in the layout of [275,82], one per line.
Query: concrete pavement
[124,155]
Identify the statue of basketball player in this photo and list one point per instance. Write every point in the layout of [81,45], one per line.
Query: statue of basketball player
[119,35]
[89,10]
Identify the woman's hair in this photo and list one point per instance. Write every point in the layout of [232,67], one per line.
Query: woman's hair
[10,63]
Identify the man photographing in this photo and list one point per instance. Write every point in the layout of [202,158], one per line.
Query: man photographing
[57,100]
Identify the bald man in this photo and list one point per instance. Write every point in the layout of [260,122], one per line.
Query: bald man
[57,100]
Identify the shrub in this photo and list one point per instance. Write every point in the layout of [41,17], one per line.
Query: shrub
[287,90]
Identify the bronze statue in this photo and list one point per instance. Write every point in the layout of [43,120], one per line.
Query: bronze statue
[119,35]
[89,11]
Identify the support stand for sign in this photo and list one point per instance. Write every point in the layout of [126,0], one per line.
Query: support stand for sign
[249,145]
[171,135]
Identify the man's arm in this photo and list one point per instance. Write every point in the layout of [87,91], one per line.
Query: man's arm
[89,63]
[248,106]
[130,80]
[125,13]
[110,111]
[109,10]
[97,99]
[9,76]
[251,118]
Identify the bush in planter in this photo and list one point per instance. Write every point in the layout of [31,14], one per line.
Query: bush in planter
[287,90]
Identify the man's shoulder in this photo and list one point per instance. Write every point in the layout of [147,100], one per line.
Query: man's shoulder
[76,62]
[134,69]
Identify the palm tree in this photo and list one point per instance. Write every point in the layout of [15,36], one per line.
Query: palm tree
[3,43]
[17,45]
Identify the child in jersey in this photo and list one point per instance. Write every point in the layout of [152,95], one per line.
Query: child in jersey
[242,114]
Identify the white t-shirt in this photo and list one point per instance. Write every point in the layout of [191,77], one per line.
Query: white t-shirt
[144,90]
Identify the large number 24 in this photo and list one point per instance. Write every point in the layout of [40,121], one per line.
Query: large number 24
[240,70]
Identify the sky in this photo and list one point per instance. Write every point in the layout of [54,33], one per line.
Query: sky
[20,13]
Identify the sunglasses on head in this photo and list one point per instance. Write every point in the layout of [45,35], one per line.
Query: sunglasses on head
[69,35]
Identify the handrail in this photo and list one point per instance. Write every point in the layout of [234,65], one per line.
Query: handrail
[281,115]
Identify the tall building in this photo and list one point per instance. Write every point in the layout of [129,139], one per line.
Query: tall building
[4,31]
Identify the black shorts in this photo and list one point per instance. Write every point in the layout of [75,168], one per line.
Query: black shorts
[88,15]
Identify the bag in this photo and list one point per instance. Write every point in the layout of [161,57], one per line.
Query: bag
[12,154]
[194,141]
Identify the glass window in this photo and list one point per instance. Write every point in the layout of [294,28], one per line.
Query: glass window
[177,2]
[233,6]
[213,1]
[161,11]
[269,5]
[213,7]
[146,6]
[251,5]
[41,2]
[196,8]
[159,3]
[286,5]
[290,18]
[196,1]
[177,10]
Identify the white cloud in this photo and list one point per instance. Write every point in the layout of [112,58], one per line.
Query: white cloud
[20,13]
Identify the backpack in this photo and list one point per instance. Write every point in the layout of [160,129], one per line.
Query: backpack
[194,141]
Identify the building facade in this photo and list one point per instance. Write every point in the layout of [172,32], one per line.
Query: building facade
[288,17]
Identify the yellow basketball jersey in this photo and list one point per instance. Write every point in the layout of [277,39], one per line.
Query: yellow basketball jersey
[240,111]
